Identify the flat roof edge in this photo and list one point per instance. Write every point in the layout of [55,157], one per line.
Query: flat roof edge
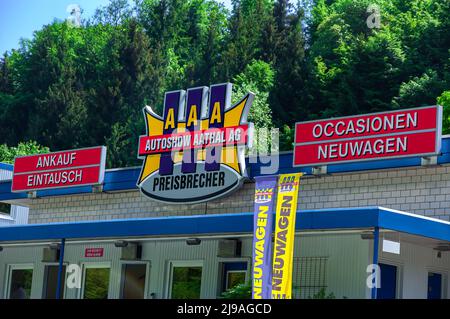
[325,219]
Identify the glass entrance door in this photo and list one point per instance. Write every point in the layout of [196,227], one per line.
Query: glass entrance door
[51,281]
[133,282]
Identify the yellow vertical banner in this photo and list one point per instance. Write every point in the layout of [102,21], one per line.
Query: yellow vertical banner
[283,254]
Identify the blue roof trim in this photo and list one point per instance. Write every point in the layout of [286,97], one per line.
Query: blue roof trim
[325,219]
[413,224]
[6,167]
[337,218]
[125,179]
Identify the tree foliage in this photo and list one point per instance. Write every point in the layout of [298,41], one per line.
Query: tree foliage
[444,100]
[7,154]
[70,87]
[241,291]
[257,78]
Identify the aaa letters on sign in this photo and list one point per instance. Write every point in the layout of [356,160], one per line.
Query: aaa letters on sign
[402,133]
[59,170]
[195,151]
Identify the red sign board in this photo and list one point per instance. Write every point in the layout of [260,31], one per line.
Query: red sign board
[93,252]
[60,169]
[403,133]
[225,136]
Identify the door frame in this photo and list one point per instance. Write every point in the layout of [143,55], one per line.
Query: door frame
[9,269]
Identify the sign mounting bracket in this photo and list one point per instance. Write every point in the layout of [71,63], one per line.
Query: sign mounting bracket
[320,170]
[32,195]
[429,160]
[97,188]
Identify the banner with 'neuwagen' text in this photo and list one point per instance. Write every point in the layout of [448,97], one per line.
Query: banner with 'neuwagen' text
[262,237]
[287,196]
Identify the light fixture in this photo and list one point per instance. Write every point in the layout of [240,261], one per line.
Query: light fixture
[442,247]
[193,241]
[367,235]
[121,243]
[54,246]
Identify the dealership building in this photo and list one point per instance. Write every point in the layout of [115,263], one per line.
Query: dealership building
[112,240]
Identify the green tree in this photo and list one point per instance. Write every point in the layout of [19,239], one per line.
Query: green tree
[137,79]
[70,87]
[241,291]
[258,78]
[355,69]
[207,29]
[115,13]
[287,97]
[13,115]
[7,153]
[247,23]
[50,80]
[444,100]
[420,91]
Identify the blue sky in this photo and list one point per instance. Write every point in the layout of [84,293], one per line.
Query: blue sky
[20,18]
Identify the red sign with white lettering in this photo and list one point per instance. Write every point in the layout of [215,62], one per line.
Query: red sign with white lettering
[93,252]
[403,133]
[225,136]
[60,169]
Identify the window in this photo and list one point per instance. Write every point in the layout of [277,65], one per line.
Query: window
[5,208]
[133,284]
[309,278]
[186,280]
[20,280]
[96,281]
[233,274]
[51,281]
[234,278]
